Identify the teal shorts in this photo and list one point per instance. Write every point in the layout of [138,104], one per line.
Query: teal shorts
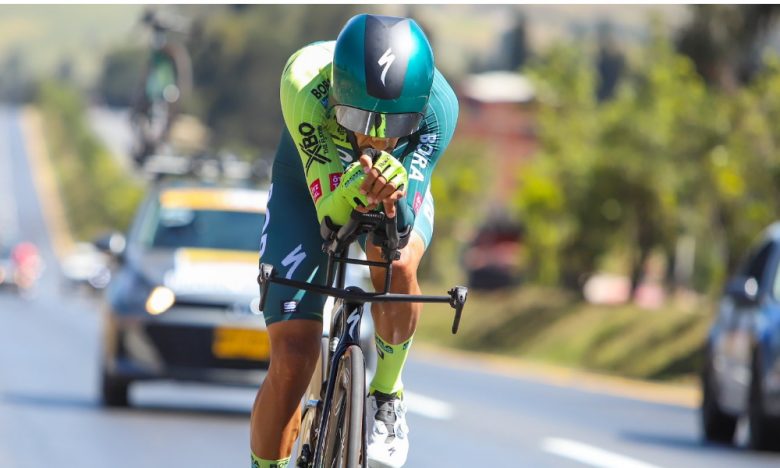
[291,242]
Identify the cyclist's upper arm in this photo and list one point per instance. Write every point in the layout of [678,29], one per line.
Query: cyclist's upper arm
[303,93]
[435,135]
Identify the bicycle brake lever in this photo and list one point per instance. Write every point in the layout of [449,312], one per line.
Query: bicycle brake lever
[458,296]
[266,273]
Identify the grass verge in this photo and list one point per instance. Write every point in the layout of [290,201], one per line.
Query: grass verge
[98,195]
[550,326]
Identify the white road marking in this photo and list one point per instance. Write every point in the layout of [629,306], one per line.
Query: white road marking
[590,455]
[426,406]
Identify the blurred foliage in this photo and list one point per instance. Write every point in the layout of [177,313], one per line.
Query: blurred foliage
[17,84]
[44,35]
[98,194]
[455,193]
[726,41]
[666,157]
[120,76]
[238,55]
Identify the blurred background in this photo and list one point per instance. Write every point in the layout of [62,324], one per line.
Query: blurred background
[606,198]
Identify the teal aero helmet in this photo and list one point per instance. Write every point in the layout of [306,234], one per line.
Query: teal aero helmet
[382,76]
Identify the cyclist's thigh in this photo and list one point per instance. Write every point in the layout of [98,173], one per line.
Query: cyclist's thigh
[291,242]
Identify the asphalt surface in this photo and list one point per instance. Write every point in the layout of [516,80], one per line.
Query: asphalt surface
[460,415]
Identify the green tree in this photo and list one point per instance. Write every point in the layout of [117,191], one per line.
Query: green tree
[120,76]
[238,56]
[724,41]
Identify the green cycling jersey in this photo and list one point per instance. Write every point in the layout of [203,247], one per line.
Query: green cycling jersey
[326,149]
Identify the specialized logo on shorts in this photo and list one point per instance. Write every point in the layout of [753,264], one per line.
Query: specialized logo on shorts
[313,145]
[418,201]
[335,178]
[289,307]
[316,190]
[294,260]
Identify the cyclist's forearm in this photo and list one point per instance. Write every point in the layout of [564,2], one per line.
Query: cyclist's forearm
[335,207]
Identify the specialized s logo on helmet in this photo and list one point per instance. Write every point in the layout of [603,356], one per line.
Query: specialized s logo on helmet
[385,61]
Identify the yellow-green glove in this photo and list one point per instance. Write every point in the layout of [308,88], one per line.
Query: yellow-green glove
[349,187]
[391,169]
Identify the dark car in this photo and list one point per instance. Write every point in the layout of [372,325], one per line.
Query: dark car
[741,372]
[492,257]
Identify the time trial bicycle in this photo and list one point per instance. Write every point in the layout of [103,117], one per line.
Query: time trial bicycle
[333,430]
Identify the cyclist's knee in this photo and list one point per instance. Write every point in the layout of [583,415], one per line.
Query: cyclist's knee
[295,347]
[404,269]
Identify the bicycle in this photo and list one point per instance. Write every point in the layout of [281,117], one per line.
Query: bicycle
[167,78]
[332,430]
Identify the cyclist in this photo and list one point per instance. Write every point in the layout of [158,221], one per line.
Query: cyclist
[367,117]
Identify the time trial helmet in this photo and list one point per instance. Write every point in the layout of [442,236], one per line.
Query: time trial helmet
[382,76]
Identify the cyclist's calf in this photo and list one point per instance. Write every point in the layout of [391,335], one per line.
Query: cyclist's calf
[295,349]
[396,323]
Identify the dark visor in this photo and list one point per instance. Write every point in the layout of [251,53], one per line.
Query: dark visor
[378,125]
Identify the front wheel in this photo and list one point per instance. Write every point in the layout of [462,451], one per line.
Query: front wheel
[344,434]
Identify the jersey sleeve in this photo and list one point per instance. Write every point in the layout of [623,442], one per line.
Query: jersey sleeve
[435,135]
[304,92]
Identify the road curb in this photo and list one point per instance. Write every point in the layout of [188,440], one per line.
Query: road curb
[670,394]
[44,181]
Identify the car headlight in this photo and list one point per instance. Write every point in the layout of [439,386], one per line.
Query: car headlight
[160,300]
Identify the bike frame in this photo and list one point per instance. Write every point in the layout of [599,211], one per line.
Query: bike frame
[350,302]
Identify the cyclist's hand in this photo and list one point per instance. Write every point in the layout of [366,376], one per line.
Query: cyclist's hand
[349,188]
[385,181]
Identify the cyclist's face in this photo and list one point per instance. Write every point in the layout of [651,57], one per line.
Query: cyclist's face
[381,144]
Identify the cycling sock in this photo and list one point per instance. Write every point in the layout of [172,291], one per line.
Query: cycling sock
[389,366]
[258,462]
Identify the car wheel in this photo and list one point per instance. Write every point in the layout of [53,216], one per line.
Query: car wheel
[114,390]
[717,426]
[764,430]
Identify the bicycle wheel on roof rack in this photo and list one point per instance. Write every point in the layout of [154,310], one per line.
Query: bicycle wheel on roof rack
[344,434]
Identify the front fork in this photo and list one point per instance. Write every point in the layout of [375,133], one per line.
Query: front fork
[344,332]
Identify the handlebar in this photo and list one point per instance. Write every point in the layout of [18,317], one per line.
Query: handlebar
[456,297]
[337,240]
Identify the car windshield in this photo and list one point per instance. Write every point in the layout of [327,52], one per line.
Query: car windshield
[206,229]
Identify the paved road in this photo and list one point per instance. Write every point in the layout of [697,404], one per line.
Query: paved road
[461,415]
